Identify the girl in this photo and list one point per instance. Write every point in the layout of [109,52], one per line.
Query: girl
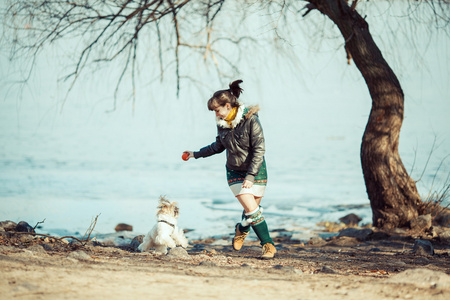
[241,134]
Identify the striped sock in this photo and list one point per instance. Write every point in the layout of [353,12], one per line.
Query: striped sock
[253,217]
[243,228]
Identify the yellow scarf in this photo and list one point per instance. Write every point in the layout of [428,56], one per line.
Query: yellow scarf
[231,116]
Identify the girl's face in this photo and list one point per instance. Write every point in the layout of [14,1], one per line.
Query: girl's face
[223,111]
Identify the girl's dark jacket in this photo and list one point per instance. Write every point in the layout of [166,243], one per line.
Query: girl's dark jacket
[243,140]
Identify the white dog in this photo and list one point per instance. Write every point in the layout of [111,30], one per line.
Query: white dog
[165,234]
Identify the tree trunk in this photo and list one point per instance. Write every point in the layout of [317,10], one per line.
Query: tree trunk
[392,193]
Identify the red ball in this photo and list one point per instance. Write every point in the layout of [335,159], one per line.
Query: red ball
[185,156]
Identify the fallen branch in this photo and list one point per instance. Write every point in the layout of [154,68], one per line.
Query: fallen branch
[83,241]
[50,236]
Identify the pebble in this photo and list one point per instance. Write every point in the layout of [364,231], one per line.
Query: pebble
[123,227]
[421,223]
[350,219]
[423,247]
[317,241]
[8,225]
[24,227]
[327,270]
[345,241]
[207,264]
[39,249]
[360,234]
[178,253]
[444,237]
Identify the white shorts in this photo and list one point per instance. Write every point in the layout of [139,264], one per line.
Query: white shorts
[256,190]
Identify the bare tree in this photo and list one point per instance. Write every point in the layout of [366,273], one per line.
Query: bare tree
[112,30]
[106,31]
[392,192]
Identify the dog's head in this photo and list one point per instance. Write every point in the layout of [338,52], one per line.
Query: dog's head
[166,207]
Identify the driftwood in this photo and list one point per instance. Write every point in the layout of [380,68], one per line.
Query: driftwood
[83,241]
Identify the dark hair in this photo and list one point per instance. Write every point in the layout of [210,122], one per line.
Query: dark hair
[222,97]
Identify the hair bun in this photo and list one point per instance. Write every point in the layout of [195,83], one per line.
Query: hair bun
[235,89]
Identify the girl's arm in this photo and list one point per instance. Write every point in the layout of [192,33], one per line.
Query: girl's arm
[258,148]
[212,149]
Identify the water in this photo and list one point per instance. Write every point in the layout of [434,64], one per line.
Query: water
[69,165]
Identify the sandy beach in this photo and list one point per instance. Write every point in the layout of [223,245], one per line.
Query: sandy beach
[383,266]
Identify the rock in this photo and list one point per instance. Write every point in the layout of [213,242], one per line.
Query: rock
[378,235]
[345,241]
[136,241]
[75,243]
[443,218]
[37,249]
[178,253]
[375,249]
[47,247]
[79,255]
[422,278]
[123,227]
[285,269]
[350,219]
[328,270]
[121,238]
[432,232]
[24,227]
[26,238]
[360,234]
[94,243]
[422,247]
[8,225]
[317,241]
[5,234]
[397,263]
[444,237]
[207,263]
[421,223]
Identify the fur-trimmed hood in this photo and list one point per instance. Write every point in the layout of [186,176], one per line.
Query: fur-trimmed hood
[243,112]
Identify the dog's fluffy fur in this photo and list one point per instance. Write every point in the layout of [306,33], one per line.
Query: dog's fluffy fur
[165,234]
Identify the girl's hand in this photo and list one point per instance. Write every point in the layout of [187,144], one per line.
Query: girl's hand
[187,154]
[247,184]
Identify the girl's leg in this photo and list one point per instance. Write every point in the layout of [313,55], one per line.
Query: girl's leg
[259,225]
[258,200]
[248,202]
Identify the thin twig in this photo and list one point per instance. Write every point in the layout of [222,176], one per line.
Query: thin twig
[38,224]
[91,228]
